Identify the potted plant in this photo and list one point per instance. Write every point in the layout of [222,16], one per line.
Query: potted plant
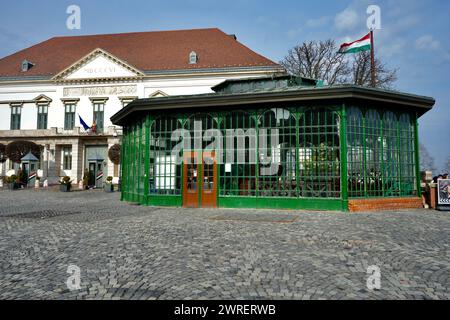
[12,182]
[109,187]
[65,184]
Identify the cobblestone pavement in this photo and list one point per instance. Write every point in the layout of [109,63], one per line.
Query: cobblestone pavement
[134,252]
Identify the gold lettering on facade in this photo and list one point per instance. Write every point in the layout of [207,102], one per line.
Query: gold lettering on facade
[99,91]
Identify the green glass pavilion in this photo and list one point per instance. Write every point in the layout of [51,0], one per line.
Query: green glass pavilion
[280,142]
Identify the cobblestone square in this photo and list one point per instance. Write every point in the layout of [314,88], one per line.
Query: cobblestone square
[126,251]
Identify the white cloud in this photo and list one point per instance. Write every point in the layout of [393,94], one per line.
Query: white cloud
[319,22]
[427,42]
[347,19]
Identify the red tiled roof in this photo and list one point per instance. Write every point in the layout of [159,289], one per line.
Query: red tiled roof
[147,51]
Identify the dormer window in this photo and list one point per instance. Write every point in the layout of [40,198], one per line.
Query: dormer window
[26,65]
[193,57]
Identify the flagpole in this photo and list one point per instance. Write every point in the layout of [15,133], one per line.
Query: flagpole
[372,60]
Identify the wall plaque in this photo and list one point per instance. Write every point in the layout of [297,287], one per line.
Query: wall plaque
[99,91]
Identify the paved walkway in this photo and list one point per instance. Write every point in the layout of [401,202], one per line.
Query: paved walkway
[135,252]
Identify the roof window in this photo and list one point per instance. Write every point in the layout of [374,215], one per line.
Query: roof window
[193,57]
[26,65]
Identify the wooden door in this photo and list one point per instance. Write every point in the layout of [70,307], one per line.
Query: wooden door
[209,180]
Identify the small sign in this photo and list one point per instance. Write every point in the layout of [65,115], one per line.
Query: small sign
[444,192]
[227,167]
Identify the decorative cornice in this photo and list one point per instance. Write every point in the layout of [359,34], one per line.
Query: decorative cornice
[129,98]
[185,73]
[70,100]
[98,99]
[42,100]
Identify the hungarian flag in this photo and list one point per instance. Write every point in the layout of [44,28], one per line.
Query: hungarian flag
[362,44]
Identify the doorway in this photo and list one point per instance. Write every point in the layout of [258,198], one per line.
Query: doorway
[95,174]
[200,180]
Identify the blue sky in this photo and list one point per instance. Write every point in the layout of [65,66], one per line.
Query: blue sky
[414,35]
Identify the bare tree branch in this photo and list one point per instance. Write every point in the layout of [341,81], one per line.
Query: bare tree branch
[321,60]
[318,60]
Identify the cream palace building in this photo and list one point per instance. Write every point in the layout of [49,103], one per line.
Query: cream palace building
[44,89]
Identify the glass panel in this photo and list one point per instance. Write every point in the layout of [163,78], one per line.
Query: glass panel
[408,163]
[165,172]
[238,168]
[381,155]
[67,158]
[319,154]
[355,156]
[192,175]
[69,118]
[390,156]
[373,154]
[208,174]
[277,154]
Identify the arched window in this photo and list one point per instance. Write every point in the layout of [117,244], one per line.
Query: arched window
[407,151]
[197,125]
[238,172]
[277,153]
[391,160]
[193,57]
[355,152]
[373,153]
[319,155]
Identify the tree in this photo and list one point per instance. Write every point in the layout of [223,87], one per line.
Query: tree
[317,60]
[426,160]
[16,150]
[321,60]
[361,74]
[114,154]
[447,166]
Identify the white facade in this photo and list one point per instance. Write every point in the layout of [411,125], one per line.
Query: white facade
[97,78]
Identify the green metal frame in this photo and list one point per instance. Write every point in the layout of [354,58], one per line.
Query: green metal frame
[309,133]
[386,140]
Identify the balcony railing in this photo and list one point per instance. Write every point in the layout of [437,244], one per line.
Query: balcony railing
[59,132]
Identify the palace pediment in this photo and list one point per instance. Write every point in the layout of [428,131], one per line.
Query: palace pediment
[99,65]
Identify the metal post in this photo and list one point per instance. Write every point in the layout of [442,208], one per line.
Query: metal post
[343,155]
[372,60]
[147,159]
[416,141]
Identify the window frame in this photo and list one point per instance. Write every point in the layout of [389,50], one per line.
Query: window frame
[69,116]
[96,115]
[42,116]
[67,157]
[16,117]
